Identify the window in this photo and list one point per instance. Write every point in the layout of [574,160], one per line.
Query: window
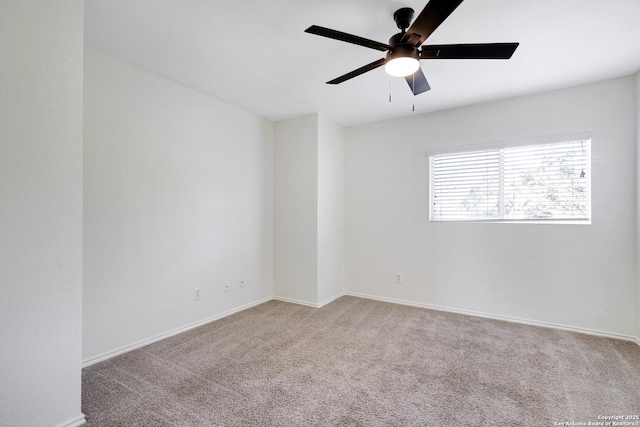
[541,182]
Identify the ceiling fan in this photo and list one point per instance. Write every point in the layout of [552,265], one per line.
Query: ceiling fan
[406,48]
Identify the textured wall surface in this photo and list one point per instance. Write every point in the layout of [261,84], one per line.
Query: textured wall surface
[330,209]
[309,209]
[296,209]
[40,212]
[178,194]
[576,275]
[637,312]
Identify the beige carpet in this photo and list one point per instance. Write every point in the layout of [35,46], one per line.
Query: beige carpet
[357,362]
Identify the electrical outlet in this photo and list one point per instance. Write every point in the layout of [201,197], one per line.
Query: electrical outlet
[196,293]
[398,277]
[226,286]
[242,283]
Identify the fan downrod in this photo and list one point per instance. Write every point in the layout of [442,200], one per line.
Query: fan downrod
[403,18]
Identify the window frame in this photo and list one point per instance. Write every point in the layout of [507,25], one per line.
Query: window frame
[581,136]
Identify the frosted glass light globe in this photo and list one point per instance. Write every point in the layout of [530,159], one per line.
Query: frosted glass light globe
[402,67]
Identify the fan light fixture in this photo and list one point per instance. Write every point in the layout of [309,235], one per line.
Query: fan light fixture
[402,61]
[402,67]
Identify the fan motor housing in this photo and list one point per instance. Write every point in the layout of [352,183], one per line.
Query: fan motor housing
[401,50]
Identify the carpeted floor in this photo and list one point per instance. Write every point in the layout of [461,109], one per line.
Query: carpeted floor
[358,362]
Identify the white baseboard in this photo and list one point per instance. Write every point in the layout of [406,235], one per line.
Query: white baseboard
[310,304]
[331,299]
[128,348]
[585,331]
[296,301]
[76,422]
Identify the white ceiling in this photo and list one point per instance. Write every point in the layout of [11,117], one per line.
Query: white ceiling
[255,54]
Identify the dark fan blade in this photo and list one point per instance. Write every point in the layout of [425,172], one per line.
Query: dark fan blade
[433,14]
[349,38]
[357,72]
[468,51]
[418,82]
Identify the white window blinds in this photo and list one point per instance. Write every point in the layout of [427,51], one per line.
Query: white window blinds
[524,183]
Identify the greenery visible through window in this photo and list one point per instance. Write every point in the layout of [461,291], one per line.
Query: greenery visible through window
[539,182]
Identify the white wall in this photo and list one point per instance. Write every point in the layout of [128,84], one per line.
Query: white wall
[309,210]
[637,311]
[576,275]
[330,209]
[296,209]
[178,194]
[40,212]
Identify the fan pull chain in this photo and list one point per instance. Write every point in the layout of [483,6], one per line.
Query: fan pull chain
[389,90]
[413,77]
